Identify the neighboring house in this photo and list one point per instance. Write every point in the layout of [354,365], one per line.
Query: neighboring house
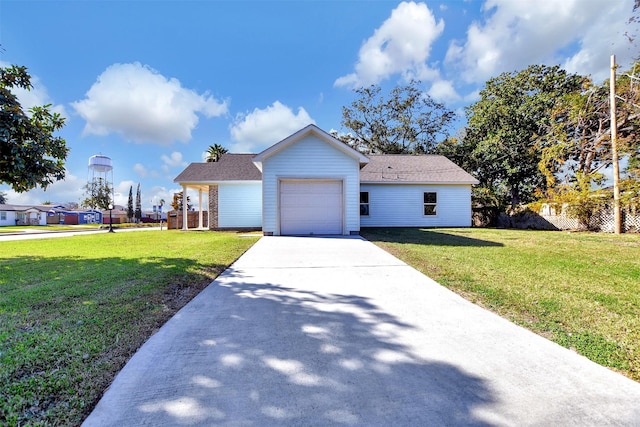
[89,216]
[24,214]
[46,214]
[118,214]
[312,183]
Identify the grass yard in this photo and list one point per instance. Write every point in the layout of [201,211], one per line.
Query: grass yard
[581,290]
[74,310]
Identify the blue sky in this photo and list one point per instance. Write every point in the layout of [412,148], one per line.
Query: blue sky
[152,84]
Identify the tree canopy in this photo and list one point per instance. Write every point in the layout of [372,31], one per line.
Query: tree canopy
[577,147]
[30,155]
[500,143]
[578,137]
[408,121]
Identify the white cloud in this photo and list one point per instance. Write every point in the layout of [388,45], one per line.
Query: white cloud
[158,193]
[174,160]
[71,190]
[443,91]
[121,192]
[60,192]
[140,170]
[515,34]
[472,97]
[144,106]
[261,128]
[401,45]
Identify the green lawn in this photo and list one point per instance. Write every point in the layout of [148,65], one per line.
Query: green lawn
[72,227]
[73,310]
[581,290]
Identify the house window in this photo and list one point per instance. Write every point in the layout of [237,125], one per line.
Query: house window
[3,216]
[430,200]
[364,203]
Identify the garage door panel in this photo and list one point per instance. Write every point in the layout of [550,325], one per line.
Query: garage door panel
[311,207]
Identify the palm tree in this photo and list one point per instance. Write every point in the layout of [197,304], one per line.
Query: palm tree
[214,152]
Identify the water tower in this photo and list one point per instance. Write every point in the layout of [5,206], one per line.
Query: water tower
[101,170]
[101,173]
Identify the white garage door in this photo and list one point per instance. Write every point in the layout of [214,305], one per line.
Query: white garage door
[311,207]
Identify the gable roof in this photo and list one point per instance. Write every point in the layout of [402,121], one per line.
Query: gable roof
[407,168]
[230,167]
[24,208]
[302,133]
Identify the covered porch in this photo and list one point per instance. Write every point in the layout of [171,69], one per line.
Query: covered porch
[205,195]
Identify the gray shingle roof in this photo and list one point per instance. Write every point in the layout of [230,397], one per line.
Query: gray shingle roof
[404,168]
[21,208]
[387,168]
[230,167]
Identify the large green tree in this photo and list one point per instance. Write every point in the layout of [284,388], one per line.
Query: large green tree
[577,147]
[628,115]
[407,121]
[578,137]
[500,143]
[30,155]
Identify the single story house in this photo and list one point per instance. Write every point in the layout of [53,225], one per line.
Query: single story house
[118,214]
[24,214]
[75,217]
[311,183]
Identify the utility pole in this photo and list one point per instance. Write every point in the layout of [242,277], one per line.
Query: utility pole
[617,214]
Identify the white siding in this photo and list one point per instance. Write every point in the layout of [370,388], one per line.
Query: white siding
[10,218]
[240,205]
[310,158]
[402,206]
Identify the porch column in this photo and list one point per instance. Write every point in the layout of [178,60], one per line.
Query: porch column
[200,208]
[213,207]
[185,206]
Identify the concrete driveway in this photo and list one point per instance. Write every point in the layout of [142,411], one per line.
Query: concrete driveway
[335,331]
